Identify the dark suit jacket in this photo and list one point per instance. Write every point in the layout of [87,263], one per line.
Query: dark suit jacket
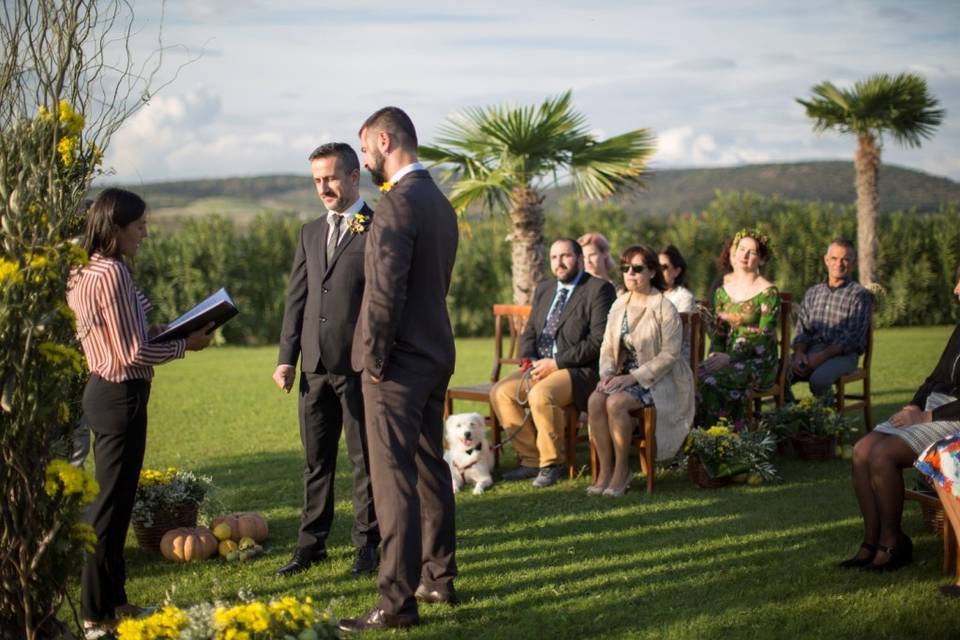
[411,247]
[323,301]
[580,333]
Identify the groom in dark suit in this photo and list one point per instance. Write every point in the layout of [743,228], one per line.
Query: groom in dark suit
[404,347]
[323,300]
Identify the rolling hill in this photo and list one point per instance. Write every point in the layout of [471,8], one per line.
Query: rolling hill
[667,191]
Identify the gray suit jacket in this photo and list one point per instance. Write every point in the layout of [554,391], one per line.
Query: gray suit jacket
[411,248]
[323,300]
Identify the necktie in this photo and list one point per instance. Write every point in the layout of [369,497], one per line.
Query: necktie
[549,334]
[334,236]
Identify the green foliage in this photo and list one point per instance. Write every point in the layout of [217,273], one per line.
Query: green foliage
[917,260]
[899,105]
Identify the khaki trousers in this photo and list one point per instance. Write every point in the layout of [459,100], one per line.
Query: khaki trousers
[542,445]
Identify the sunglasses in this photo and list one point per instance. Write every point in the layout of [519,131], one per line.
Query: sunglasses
[635,269]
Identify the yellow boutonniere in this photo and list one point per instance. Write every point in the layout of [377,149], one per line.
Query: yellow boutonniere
[359,224]
[386,186]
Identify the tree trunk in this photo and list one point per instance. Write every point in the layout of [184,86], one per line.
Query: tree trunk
[867,165]
[526,235]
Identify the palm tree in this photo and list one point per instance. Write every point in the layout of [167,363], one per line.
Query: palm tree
[504,157]
[898,105]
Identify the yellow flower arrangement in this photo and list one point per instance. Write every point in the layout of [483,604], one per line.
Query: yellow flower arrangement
[165,624]
[61,355]
[10,273]
[71,123]
[724,452]
[358,224]
[386,186]
[160,491]
[60,476]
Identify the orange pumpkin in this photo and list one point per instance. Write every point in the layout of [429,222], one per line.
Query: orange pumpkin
[185,544]
[244,524]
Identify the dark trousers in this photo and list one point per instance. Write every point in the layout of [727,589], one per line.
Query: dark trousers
[411,485]
[329,403]
[117,414]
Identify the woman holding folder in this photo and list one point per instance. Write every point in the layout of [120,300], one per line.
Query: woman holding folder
[111,325]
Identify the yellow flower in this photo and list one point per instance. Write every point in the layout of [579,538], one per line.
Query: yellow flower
[67,148]
[162,625]
[60,474]
[85,535]
[10,272]
[38,262]
[77,255]
[70,119]
[386,186]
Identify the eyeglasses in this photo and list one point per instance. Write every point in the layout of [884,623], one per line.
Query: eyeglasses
[635,269]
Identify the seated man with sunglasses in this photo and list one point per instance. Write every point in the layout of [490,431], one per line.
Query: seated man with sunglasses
[832,324]
[562,343]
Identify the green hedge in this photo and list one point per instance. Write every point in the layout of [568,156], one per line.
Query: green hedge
[917,259]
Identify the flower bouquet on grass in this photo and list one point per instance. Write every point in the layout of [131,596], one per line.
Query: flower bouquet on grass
[718,456]
[286,618]
[815,429]
[166,500]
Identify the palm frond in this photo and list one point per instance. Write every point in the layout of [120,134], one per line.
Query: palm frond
[599,168]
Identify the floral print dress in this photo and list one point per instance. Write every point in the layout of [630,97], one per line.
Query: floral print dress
[747,332]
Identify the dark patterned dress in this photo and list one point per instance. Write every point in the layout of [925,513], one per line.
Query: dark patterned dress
[639,392]
[747,332]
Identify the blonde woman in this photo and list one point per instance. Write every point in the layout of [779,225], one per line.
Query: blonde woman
[596,255]
[640,364]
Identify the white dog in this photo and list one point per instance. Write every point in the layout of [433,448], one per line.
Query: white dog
[468,453]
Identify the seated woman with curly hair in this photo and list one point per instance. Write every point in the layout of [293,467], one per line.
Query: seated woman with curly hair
[640,364]
[880,456]
[743,349]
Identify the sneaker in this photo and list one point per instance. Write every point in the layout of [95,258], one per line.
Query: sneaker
[521,473]
[548,476]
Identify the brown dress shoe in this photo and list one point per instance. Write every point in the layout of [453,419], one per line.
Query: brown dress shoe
[435,596]
[377,618]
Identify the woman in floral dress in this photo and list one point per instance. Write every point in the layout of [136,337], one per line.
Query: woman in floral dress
[743,350]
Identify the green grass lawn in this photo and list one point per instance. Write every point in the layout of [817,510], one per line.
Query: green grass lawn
[742,562]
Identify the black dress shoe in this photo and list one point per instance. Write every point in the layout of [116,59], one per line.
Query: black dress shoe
[434,596]
[302,559]
[855,562]
[367,560]
[521,473]
[377,618]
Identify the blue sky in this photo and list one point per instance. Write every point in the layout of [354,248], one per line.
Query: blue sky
[715,82]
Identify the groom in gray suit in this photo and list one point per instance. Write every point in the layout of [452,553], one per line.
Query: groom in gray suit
[323,300]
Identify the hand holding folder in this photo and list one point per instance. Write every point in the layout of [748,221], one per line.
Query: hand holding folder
[217,308]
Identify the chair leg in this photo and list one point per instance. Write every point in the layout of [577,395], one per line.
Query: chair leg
[841,396]
[447,406]
[495,428]
[573,422]
[650,442]
[951,561]
[867,408]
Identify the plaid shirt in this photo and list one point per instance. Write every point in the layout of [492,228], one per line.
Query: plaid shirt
[837,316]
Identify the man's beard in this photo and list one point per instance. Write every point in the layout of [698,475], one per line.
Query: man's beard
[376,171]
[570,276]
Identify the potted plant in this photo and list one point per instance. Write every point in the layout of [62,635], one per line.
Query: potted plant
[166,500]
[813,427]
[718,455]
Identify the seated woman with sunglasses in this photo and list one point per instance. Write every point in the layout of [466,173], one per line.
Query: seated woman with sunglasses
[640,364]
[743,348]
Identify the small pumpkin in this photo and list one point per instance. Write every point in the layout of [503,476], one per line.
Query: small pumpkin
[188,544]
[245,524]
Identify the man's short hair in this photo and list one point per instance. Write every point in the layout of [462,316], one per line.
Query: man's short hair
[843,242]
[344,152]
[577,249]
[394,121]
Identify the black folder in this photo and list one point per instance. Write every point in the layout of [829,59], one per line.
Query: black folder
[218,308]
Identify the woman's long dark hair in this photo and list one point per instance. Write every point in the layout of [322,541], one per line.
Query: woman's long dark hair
[114,208]
[676,259]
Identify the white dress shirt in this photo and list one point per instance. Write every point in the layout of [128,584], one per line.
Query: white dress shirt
[348,215]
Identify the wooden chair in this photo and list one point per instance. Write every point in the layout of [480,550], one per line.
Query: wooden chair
[848,401]
[644,437]
[777,392]
[514,316]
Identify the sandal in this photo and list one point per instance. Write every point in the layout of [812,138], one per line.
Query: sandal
[898,555]
[850,563]
[95,630]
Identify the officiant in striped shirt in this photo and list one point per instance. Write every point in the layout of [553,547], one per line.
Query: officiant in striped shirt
[111,318]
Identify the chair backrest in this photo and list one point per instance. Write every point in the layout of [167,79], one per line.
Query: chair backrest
[868,352]
[693,332]
[786,309]
[515,317]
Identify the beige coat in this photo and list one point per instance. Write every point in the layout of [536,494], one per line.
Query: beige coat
[657,335]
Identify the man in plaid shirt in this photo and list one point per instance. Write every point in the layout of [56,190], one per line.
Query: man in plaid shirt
[832,325]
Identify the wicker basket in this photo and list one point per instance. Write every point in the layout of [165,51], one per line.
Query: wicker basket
[698,474]
[932,517]
[810,446]
[149,537]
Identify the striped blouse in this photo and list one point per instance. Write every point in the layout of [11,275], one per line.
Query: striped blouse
[112,322]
